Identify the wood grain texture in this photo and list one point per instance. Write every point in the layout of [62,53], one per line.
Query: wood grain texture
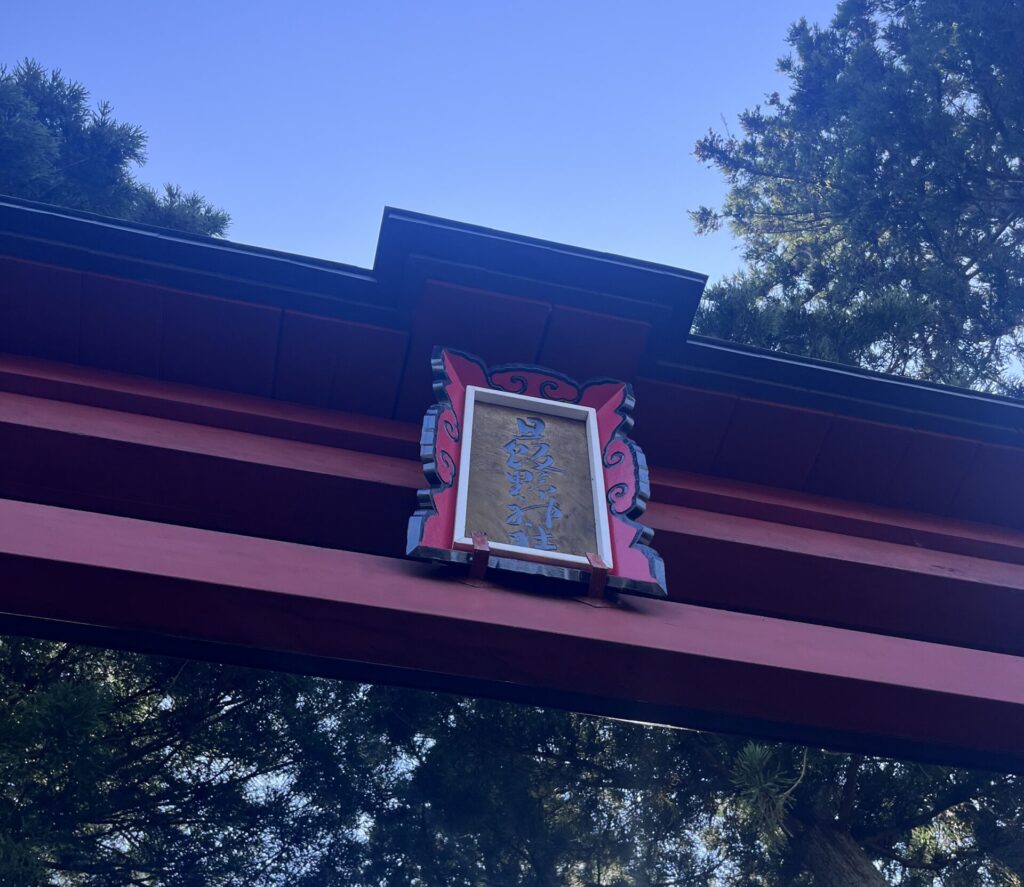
[734,546]
[660,660]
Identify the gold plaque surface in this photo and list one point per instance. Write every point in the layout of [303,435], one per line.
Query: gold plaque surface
[530,481]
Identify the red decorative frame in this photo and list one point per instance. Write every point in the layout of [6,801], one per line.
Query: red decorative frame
[637,567]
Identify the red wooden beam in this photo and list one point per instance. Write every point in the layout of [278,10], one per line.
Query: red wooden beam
[216,478]
[289,421]
[836,515]
[658,660]
[200,406]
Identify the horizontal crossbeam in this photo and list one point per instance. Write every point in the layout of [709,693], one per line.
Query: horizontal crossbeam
[156,586]
[154,468]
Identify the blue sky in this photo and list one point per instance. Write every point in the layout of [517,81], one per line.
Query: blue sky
[570,121]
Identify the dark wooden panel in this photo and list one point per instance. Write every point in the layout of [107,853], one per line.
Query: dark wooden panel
[932,472]
[680,427]
[993,488]
[858,460]
[498,329]
[122,325]
[327,363]
[40,310]
[770,444]
[358,389]
[219,343]
[306,359]
[373,392]
[585,345]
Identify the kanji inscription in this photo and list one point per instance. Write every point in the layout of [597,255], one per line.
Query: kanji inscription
[542,467]
[530,483]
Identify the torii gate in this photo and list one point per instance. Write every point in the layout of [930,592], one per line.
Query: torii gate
[210,449]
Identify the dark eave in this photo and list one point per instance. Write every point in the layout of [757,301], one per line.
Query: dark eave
[149,302]
[705,362]
[148,254]
[516,258]
[408,242]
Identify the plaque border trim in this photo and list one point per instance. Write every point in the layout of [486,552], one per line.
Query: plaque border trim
[577,412]
[638,568]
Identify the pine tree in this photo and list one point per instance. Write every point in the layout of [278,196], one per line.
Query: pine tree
[55,149]
[881,202]
[121,769]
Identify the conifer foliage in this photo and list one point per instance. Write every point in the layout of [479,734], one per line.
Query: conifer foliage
[881,202]
[55,149]
[119,769]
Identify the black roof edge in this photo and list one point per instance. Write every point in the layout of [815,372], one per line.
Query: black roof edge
[393,215]
[405,234]
[815,384]
[171,258]
[178,260]
[98,243]
[171,237]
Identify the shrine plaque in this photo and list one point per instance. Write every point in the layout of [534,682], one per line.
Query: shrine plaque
[528,478]
[531,472]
